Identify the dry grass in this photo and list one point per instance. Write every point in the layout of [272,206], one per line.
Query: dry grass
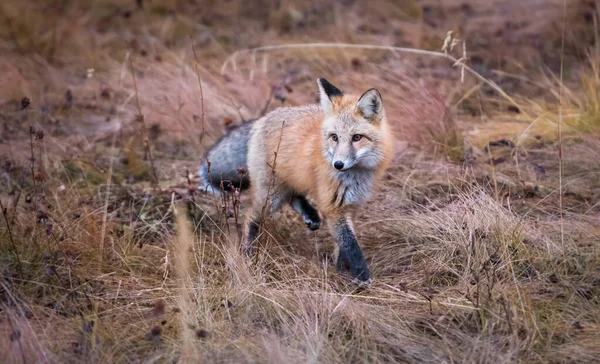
[98,263]
[589,101]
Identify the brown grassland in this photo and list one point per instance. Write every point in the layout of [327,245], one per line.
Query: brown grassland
[483,239]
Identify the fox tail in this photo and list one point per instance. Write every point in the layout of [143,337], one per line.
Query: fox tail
[225,165]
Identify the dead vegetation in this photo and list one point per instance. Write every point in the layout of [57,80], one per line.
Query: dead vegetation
[482,246]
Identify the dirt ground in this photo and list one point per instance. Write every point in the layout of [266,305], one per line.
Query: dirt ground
[483,238]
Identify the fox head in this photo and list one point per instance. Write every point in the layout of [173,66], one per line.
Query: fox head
[352,127]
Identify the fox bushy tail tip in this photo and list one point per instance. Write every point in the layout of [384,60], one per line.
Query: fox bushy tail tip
[225,165]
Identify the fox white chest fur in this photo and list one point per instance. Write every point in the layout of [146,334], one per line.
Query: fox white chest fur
[355,187]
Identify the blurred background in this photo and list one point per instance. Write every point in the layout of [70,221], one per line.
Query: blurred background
[73,59]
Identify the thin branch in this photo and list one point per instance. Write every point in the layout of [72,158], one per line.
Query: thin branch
[31,132]
[107,197]
[10,238]
[456,62]
[272,184]
[263,112]
[201,92]
[560,119]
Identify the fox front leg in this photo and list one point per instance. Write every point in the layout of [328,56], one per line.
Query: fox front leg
[350,256]
[307,211]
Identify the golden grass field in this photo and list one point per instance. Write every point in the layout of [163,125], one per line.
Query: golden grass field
[483,239]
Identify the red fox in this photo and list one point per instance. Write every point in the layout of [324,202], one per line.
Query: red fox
[332,154]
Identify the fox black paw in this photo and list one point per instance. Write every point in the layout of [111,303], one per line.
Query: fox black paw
[357,267]
[313,224]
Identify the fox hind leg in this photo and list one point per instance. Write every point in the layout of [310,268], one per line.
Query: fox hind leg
[307,211]
[253,226]
[253,217]
[263,203]
[253,231]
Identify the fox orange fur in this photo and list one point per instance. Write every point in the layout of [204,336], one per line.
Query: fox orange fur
[333,154]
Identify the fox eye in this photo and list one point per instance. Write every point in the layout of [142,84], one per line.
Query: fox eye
[356,137]
[334,137]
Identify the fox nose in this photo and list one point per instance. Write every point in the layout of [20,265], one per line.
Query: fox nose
[338,165]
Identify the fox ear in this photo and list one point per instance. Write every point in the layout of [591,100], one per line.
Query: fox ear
[326,92]
[370,105]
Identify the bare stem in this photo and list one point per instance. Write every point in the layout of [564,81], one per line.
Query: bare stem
[31,132]
[10,238]
[201,92]
[105,215]
[16,202]
[272,184]
[143,122]
[268,103]
[493,164]
[560,119]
